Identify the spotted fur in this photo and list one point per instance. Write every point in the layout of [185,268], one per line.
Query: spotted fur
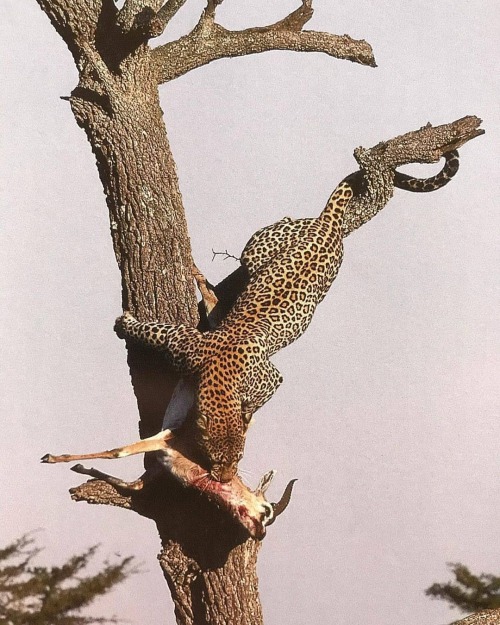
[291,265]
[425,185]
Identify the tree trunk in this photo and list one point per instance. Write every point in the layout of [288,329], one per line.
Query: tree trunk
[147,219]
[208,562]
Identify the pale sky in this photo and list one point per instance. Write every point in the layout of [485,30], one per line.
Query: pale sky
[388,415]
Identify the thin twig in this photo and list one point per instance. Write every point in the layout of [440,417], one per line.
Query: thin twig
[225,253]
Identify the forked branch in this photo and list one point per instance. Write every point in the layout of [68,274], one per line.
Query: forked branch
[82,22]
[210,41]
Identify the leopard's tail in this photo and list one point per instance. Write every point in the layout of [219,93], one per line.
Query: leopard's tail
[425,185]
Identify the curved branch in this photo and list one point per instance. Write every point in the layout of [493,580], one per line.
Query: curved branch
[209,41]
[426,145]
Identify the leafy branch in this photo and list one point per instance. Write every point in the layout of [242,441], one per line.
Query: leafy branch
[40,595]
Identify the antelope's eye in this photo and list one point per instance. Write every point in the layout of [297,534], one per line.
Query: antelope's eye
[268,511]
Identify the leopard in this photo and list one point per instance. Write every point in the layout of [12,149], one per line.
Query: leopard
[291,266]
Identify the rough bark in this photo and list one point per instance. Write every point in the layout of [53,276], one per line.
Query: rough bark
[208,561]
[486,617]
[209,41]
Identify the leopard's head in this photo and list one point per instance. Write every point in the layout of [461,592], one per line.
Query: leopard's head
[220,425]
[222,442]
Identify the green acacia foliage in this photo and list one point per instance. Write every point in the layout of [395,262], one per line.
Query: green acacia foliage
[468,592]
[38,595]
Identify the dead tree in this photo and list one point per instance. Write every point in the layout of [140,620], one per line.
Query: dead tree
[209,563]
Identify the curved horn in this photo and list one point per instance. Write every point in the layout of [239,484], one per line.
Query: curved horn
[281,505]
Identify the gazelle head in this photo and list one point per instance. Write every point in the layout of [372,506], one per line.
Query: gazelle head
[250,508]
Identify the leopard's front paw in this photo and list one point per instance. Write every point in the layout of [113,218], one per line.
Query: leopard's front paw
[121,324]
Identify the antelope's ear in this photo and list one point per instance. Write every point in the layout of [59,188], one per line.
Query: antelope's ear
[265,481]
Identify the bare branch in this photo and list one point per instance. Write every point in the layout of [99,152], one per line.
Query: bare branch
[212,6]
[209,41]
[295,21]
[426,145]
[226,255]
[133,9]
[77,21]
[100,492]
[167,11]
[147,18]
